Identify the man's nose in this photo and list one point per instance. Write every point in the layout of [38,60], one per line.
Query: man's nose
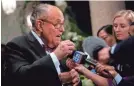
[62,29]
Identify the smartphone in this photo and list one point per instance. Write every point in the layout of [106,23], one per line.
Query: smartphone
[79,57]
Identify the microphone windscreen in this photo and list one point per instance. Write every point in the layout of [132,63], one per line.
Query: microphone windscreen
[93,43]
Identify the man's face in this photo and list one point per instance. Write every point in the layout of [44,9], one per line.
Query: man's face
[52,28]
[131,30]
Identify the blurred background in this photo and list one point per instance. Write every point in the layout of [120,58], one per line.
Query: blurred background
[82,18]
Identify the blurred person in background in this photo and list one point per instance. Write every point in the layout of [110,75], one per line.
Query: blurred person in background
[121,27]
[106,33]
[121,24]
[123,51]
[131,31]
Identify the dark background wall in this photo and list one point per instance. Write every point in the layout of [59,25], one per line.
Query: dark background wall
[129,5]
[82,15]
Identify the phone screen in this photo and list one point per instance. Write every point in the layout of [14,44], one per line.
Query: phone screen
[77,57]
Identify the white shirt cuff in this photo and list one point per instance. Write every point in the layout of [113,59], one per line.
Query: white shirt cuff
[118,78]
[56,62]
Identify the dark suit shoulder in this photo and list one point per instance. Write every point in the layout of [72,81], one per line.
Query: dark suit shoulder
[17,40]
[125,47]
[20,41]
[129,82]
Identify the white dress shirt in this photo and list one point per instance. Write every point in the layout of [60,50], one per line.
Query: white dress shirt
[113,48]
[118,78]
[52,55]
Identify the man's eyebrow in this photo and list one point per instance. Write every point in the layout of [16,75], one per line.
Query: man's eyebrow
[59,21]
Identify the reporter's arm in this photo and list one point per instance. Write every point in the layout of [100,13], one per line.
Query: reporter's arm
[98,80]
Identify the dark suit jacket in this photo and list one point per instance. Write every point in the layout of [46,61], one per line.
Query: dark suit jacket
[124,56]
[28,64]
[129,82]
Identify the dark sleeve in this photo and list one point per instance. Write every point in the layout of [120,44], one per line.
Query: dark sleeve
[21,69]
[124,49]
[123,55]
[124,82]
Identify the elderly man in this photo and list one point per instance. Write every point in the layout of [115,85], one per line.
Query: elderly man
[34,59]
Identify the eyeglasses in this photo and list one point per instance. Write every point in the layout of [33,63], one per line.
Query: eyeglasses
[57,26]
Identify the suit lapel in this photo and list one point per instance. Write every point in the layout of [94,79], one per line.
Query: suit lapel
[35,45]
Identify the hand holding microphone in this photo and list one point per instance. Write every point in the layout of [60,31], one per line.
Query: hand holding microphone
[102,69]
[90,47]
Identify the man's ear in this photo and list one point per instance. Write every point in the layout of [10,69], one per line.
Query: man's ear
[39,25]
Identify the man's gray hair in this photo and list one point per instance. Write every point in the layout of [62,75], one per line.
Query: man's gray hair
[39,11]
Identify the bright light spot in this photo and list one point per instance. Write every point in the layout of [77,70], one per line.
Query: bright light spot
[9,6]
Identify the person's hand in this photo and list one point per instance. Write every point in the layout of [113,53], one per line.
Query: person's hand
[70,64]
[75,77]
[71,76]
[100,69]
[65,77]
[80,68]
[64,48]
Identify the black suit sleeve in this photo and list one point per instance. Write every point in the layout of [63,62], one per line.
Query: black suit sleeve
[124,49]
[21,69]
[126,82]
[123,55]
[20,63]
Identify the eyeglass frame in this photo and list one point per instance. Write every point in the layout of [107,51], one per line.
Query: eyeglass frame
[45,20]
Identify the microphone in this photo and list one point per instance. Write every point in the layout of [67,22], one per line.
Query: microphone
[93,44]
[90,60]
[90,46]
[82,58]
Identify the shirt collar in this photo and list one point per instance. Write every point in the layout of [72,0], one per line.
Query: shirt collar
[37,37]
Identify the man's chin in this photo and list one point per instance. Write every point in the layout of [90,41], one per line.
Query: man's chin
[57,43]
[54,44]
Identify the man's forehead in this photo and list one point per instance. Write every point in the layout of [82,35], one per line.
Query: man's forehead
[56,15]
[56,19]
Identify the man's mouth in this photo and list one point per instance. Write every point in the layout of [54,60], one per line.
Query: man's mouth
[58,36]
